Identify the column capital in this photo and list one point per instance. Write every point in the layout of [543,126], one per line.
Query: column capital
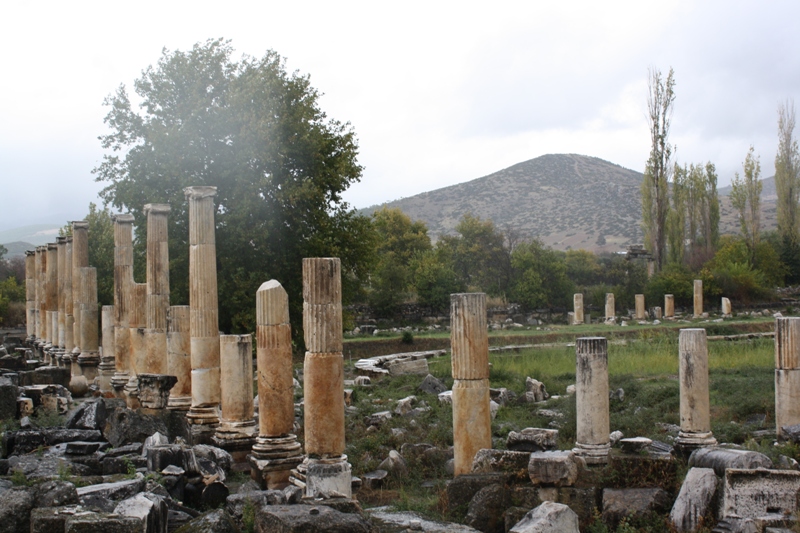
[30,252]
[122,218]
[157,209]
[61,240]
[199,191]
[52,246]
[80,224]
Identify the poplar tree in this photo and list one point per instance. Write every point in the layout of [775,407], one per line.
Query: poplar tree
[746,199]
[787,185]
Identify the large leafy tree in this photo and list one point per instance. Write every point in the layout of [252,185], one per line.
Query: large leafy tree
[746,199]
[279,164]
[787,185]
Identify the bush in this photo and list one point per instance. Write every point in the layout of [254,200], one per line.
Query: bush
[741,282]
[676,280]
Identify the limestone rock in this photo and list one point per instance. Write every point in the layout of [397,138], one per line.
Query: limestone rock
[220,457]
[124,426]
[486,509]
[8,399]
[102,523]
[237,504]
[27,440]
[620,503]
[375,479]
[147,507]
[694,499]
[446,397]
[537,388]
[56,493]
[394,464]
[217,521]
[308,519]
[513,463]
[431,385]
[753,493]
[463,488]
[15,509]
[119,490]
[532,440]
[156,439]
[549,517]
[558,468]
[405,405]
[721,459]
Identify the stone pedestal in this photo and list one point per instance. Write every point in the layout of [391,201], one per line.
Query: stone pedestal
[157,288]
[640,309]
[179,363]
[237,428]
[787,373]
[203,414]
[472,421]
[698,298]
[726,307]
[669,306]
[611,308]
[657,313]
[323,379]
[577,308]
[89,359]
[276,451]
[693,376]
[123,289]
[154,390]
[591,396]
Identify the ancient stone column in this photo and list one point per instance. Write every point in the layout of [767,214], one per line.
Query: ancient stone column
[726,307]
[577,306]
[669,306]
[157,288]
[89,359]
[591,396]
[611,309]
[640,312]
[203,313]
[39,268]
[276,451]
[61,259]
[123,289]
[237,428]
[179,362]
[698,298]
[323,379]
[30,295]
[69,301]
[107,363]
[787,373]
[80,259]
[657,313]
[693,376]
[469,340]
[138,353]
[52,293]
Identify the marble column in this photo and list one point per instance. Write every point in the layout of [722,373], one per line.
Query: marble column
[237,429]
[787,373]
[123,293]
[694,397]
[39,294]
[276,451]
[591,397]
[669,306]
[469,340]
[327,469]
[30,295]
[157,288]
[577,308]
[41,298]
[640,312]
[725,306]
[61,259]
[138,353]
[203,415]
[80,259]
[179,362]
[69,301]
[657,313]
[698,298]
[611,308]
[107,363]
[89,358]
[52,293]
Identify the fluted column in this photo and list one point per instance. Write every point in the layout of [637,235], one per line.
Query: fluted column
[61,259]
[787,373]
[323,378]
[472,420]
[698,298]
[179,362]
[157,288]
[41,299]
[694,396]
[107,363]
[591,397]
[89,359]
[123,289]
[640,311]
[30,295]
[577,308]
[276,451]
[80,259]
[52,294]
[138,353]
[611,308]
[669,306]
[69,301]
[237,428]
[203,312]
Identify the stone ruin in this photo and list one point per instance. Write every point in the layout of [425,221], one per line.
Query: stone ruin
[171,398]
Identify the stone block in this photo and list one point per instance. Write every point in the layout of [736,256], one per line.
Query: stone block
[548,517]
[621,503]
[102,523]
[720,459]
[487,509]
[374,480]
[147,507]
[431,385]
[15,509]
[559,468]
[8,399]
[754,493]
[636,470]
[532,440]
[405,366]
[513,463]
[463,488]
[308,519]
[236,504]
[694,499]
[119,490]
[218,521]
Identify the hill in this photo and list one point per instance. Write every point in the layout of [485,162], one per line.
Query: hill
[36,234]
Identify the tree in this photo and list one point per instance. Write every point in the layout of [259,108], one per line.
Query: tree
[787,185]
[746,199]
[655,201]
[540,276]
[279,163]
[693,221]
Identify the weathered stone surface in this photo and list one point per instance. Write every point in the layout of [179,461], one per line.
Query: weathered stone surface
[431,385]
[308,519]
[375,479]
[119,490]
[753,493]
[8,399]
[102,523]
[15,509]
[487,507]
[694,499]
[513,463]
[237,504]
[147,507]
[592,428]
[532,440]
[53,519]
[27,440]
[160,457]
[211,453]
[558,468]
[217,521]
[721,459]
[462,489]
[537,389]
[56,493]
[620,503]
[549,517]
[405,521]
[405,405]
[125,426]
[645,470]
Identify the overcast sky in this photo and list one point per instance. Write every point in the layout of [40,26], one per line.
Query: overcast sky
[437,92]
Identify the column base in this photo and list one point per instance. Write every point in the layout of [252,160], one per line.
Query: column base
[687,442]
[329,478]
[105,374]
[131,391]
[236,438]
[203,416]
[273,459]
[118,382]
[202,433]
[592,454]
[179,403]
[89,363]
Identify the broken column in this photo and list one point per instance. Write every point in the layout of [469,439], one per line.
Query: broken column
[693,376]
[591,396]
[577,306]
[123,287]
[787,373]
[327,469]
[669,306]
[276,451]
[203,320]
[30,295]
[472,420]
[611,309]
[237,428]
[726,307]
[640,312]
[107,364]
[157,288]
[179,363]
[698,298]
[138,353]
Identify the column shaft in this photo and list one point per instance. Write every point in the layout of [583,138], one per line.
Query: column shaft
[30,294]
[694,396]
[640,310]
[669,306]
[52,292]
[69,301]
[577,308]
[787,373]
[698,297]
[611,308]
[80,259]
[591,396]
[123,294]
[157,287]
[179,363]
[61,259]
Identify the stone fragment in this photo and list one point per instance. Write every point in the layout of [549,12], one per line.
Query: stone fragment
[429,385]
[405,405]
[375,479]
[119,490]
[8,399]
[721,459]
[513,463]
[754,493]
[549,517]
[89,415]
[102,523]
[406,366]
[446,397]
[26,440]
[156,439]
[124,426]
[394,464]
[308,519]
[559,468]
[154,389]
[537,389]
[622,503]
[218,521]
[694,499]
[486,509]
[634,444]
[532,440]
[15,509]
[147,507]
